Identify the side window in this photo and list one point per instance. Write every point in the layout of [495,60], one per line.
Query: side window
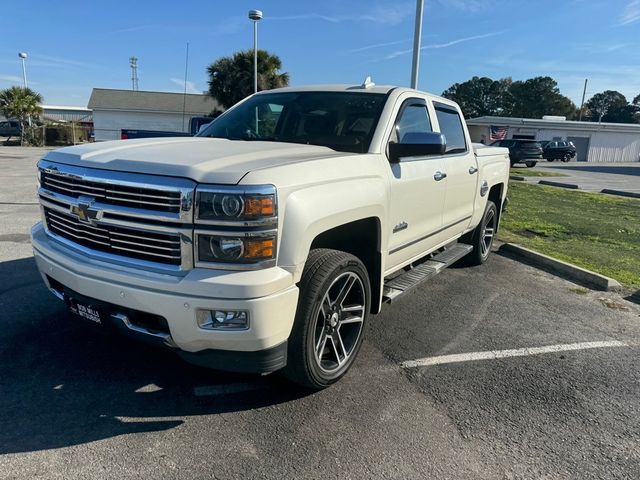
[451,126]
[413,119]
[268,116]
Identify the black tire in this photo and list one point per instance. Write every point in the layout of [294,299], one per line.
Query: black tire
[530,164]
[478,238]
[550,159]
[566,157]
[313,362]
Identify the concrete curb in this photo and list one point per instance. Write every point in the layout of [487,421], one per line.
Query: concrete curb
[559,184]
[621,193]
[563,269]
[518,178]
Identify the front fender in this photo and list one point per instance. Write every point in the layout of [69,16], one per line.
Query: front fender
[313,210]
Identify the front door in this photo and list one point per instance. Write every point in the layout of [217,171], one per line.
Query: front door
[416,191]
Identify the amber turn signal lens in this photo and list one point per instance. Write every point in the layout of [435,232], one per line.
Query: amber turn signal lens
[259,206]
[259,248]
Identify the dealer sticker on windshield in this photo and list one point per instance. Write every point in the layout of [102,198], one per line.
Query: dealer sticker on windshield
[85,311]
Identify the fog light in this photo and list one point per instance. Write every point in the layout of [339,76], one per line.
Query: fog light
[223,319]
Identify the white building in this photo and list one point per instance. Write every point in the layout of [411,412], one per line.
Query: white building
[64,113]
[114,110]
[595,142]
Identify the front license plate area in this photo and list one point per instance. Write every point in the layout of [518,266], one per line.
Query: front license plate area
[84,310]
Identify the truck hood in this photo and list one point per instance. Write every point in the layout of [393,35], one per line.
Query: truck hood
[205,160]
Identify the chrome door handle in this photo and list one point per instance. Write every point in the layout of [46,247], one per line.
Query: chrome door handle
[472,170]
[439,176]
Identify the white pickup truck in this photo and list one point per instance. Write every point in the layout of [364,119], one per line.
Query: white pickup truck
[265,242]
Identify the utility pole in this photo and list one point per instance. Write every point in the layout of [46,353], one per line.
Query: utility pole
[255,16]
[584,94]
[23,57]
[417,43]
[184,96]
[133,63]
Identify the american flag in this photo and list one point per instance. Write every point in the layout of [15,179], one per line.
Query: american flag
[498,133]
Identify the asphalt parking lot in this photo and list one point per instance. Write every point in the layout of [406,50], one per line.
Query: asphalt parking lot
[420,401]
[595,177]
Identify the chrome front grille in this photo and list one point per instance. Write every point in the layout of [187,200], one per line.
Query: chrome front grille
[144,245]
[123,195]
[127,218]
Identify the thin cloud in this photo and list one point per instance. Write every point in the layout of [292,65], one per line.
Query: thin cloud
[135,28]
[470,6]
[437,46]
[377,45]
[631,13]
[387,15]
[600,48]
[191,87]
[11,78]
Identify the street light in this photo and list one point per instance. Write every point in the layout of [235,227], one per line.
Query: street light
[23,57]
[417,43]
[255,16]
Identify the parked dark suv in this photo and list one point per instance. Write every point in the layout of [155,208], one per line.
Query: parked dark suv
[10,128]
[528,152]
[558,150]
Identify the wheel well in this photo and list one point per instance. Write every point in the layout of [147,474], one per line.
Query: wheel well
[495,195]
[360,238]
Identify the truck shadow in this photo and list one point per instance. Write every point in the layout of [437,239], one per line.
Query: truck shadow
[63,384]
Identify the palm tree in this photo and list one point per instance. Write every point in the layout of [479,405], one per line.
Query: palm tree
[21,103]
[231,78]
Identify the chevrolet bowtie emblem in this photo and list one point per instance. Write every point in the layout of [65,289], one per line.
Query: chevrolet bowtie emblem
[83,210]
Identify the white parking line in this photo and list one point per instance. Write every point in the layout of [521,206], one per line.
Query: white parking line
[520,352]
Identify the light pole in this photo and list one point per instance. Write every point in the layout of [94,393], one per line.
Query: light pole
[23,57]
[255,16]
[417,41]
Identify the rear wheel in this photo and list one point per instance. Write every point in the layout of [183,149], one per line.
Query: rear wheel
[530,164]
[334,301]
[482,237]
[550,159]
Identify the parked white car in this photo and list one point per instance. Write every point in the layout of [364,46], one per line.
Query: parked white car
[265,242]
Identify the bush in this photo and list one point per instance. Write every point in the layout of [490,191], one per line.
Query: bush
[56,135]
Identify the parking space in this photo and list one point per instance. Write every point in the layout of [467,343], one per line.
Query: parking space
[595,177]
[75,404]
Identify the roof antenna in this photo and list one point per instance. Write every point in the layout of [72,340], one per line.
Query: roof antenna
[368,83]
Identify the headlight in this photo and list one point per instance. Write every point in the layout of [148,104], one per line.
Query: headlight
[235,250]
[250,205]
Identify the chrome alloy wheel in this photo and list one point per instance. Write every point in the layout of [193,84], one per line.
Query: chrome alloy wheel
[339,322]
[488,231]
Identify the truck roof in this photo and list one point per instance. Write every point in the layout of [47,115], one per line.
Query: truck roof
[355,88]
[335,88]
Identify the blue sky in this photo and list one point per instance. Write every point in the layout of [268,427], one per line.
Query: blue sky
[74,46]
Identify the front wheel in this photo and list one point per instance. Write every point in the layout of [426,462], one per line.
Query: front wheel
[333,305]
[566,157]
[482,237]
[530,164]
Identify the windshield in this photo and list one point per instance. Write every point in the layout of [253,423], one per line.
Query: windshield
[343,121]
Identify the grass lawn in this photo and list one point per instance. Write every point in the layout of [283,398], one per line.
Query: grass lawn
[595,231]
[532,172]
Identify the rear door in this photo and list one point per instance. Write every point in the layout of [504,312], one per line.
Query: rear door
[461,168]
[416,190]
